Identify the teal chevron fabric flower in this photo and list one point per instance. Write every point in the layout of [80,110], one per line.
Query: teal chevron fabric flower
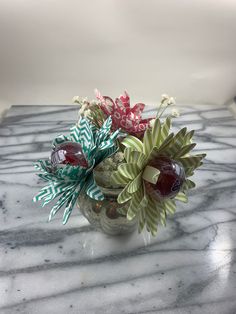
[66,183]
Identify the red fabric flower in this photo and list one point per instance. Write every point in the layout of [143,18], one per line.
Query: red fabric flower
[123,116]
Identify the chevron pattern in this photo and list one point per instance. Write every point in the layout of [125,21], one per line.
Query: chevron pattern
[59,140]
[66,183]
[82,134]
[93,190]
[103,132]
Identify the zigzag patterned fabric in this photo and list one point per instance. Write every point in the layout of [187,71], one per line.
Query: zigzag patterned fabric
[66,183]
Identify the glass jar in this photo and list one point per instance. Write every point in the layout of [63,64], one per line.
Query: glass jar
[108,215]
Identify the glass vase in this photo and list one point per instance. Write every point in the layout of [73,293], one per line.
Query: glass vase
[107,215]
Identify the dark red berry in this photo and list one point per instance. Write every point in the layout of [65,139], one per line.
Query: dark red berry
[111,212]
[68,153]
[97,207]
[170,180]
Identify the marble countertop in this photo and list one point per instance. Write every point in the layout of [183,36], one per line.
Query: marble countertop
[50,268]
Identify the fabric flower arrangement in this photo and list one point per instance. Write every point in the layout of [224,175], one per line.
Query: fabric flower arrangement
[150,165]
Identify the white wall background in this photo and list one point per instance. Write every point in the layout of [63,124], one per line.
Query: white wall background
[52,50]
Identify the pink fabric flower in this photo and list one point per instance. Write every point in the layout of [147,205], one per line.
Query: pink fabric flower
[123,116]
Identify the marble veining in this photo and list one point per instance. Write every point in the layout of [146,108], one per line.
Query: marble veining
[49,268]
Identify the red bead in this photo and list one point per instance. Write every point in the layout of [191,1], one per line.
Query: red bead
[170,180]
[111,212]
[68,153]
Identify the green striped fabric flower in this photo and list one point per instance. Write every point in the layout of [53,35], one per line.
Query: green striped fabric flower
[157,141]
[66,183]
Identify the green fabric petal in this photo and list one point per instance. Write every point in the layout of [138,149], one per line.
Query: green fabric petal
[129,170]
[133,142]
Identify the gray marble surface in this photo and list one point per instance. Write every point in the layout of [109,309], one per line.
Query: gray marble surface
[49,268]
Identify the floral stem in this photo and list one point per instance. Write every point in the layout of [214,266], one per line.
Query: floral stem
[164,109]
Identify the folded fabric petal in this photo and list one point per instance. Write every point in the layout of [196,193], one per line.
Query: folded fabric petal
[123,116]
